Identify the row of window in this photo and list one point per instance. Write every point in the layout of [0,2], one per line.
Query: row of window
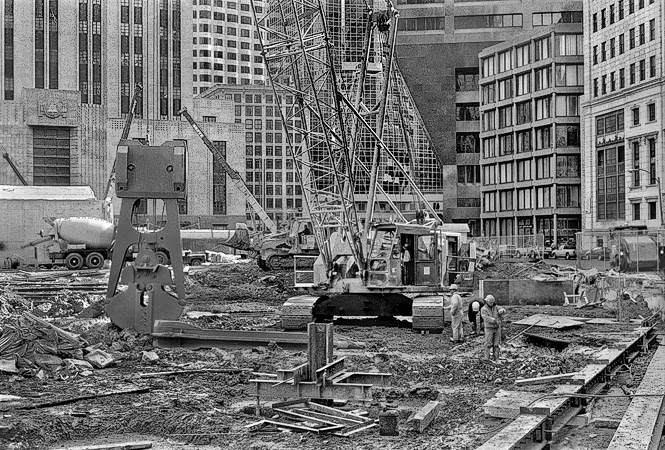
[608,49]
[538,80]
[233,18]
[220,4]
[230,31]
[229,68]
[567,166]
[539,138]
[530,110]
[638,162]
[220,55]
[566,196]
[617,79]
[230,44]
[651,210]
[275,190]
[218,79]
[612,14]
[564,45]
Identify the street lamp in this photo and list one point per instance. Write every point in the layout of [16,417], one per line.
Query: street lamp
[660,194]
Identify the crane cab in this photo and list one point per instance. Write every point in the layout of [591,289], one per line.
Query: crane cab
[404,255]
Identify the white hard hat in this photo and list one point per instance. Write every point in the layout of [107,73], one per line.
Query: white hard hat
[475,306]
[490,297]
[502,311]
[453,287]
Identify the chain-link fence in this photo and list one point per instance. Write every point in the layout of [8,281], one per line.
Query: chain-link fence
[624,250]
[521,246]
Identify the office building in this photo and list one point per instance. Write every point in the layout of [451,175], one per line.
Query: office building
[438,49]
[226,47]
[531,88]
[623,113]
[69,71]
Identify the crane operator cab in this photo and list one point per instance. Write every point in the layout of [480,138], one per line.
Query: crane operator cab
[404,255]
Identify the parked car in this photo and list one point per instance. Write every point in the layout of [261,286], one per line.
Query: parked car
[507,251]
[599,253]
[565,251]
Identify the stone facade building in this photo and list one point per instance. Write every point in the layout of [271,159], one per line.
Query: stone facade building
[623,113]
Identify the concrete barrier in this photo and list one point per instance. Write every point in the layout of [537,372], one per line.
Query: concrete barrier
[527,292]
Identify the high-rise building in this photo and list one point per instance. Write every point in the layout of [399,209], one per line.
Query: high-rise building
[438,47]
[226,47]
[69,71]
[623,113]
[530,135]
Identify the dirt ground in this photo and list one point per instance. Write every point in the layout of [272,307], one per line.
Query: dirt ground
[210,410]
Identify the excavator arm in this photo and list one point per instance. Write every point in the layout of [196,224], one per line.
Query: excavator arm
[233,174]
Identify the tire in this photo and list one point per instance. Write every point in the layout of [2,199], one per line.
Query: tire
[74,261]
[162,258]
[567,255]
[94,260]
[553,255]
[195,262]
[518,255]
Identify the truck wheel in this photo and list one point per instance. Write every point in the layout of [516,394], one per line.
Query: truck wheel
[162,258]
[567,255]
[94,260]
[195,262]
[74,261]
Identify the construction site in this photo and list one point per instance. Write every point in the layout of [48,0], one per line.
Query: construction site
[361,325]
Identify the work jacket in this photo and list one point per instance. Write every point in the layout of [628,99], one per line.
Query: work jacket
[491,316]
[456,305]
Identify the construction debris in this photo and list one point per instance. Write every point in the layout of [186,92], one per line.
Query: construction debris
[545,379]
[425,416]
[139,445]
[313,418]
[557,322]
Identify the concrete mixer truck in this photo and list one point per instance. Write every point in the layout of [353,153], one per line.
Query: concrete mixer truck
[77,242]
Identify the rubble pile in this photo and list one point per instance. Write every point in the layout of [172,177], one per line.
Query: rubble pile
[30,346]
[11,303]
[240,282]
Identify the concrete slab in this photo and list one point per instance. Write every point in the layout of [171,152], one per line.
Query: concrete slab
[547,321]
[506,404]
[510,435]
[638,428]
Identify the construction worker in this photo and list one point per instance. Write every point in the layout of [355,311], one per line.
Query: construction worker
[406,259]
[492,316]
[456,313]
[475,318]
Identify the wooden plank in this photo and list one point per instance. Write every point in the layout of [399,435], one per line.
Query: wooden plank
[299,416]
[290,426]
[556,322]
[339,420]
[136,445]
[358,429]
[514,432]
[426,416]
[336,412]
[297,373]
[639,427]
[256,425]
[545,379]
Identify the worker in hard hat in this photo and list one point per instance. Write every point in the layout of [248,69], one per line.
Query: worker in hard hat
[456,313]
[492,317]
[475,318]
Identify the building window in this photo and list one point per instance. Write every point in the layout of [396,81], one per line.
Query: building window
[543,108]
[489,66]
[489,173]
[505,61]
[523,112]
[542,49]
[467,79]
[543,197]
[651,112]
[505,144]
[505,173]
[488,123]
[523,139]
[636,163]
[543,78]
[543,167]
[595,54]
[431,23]
[643,70]
[489,148]
[632,73]
[467,112]
[652,161]
[612,48]
[523,83]
[622,45]
[524,170]
[468,143]
[545,19]
[631,38]
[567,136]
[622,78]
[505,116]
[652,29]
[567,105]
[652,210]
[652,66]
[488,21]
[636,211]
[468,174]
[567,166]
[506,200]
[569,75]
[543,137]
[642,34]
[8,55]
[488,93]
[568,196]
[524,199]
[569,45]
[620,7]
[522,54]
[51,156]
[636,116]
[610,195]
[603,52]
